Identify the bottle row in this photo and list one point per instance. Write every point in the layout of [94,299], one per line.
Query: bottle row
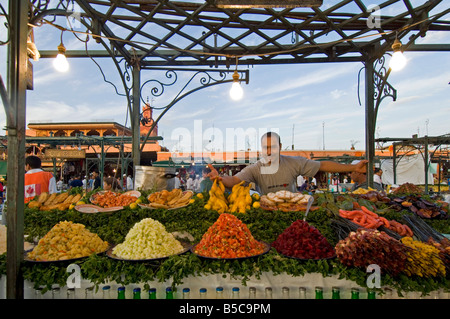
[218,293]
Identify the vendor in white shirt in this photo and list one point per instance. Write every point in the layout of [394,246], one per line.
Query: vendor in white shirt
[377,176]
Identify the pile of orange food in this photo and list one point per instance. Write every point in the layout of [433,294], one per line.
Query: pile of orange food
[364,217]
[228,237]
[111,199]
[368,219]
[401,229]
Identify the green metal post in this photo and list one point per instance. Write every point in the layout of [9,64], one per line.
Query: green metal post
[102,162]
[370,123]
[17,85]
[135,121]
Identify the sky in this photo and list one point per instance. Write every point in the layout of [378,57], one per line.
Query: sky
[311,106]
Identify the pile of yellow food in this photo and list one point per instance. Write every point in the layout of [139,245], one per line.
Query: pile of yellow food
[146,240]
[363,190]
[423,259]
[239,199]
[67,240]
[217,200]
[169,199]
[61,201]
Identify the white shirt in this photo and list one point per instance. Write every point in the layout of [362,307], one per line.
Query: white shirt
[300,180]
[377,179]
[314,181]
[197,185]
[51,184]
[129,183]
[177,182]
[190,184]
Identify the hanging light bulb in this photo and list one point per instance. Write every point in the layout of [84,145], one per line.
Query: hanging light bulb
[236,91]
[60,63]
[398,60]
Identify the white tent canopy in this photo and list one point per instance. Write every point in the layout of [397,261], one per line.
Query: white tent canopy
[410,169]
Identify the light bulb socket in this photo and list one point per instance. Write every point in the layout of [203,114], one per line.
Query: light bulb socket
[235,76]
[61,49]
[397,45]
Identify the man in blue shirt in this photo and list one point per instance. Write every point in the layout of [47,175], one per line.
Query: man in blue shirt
[76,182]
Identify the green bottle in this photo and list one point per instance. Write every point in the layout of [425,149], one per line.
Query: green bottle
[152,293]
[169,293]
[121,292]
[371,294]
[355,293]
[335,293]
[137,293]
[319,293]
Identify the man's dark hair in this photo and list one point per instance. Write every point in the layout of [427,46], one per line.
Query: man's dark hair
[270,135]
[33,161]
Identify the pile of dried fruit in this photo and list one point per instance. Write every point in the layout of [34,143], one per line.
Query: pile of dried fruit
[228,237]
[301,240]
[407,188]
[67,240]
[369,246]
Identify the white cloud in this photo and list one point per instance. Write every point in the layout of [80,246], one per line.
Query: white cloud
[336,94]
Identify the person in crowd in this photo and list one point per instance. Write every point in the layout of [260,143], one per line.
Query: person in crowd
[59,184]
[300,182]
[97,181]
[360,180]
[37,181]
[377,175]
[305,186]
[197,183]
[190,183]
[130,184]
[91,181]
[274,172]
[313,182]
[206,183]
[76,182]
[111,184]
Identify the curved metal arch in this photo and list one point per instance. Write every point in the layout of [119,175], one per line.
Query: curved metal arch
[204,81]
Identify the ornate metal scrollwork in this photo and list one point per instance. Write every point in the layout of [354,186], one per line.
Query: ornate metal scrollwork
[205,79]
[382,88]
[6,24]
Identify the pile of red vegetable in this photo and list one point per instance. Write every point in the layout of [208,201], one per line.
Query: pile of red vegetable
[300,240]
[228,237]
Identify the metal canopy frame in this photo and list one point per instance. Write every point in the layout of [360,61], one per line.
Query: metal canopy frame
[420,144]
[188,33]
[146,34]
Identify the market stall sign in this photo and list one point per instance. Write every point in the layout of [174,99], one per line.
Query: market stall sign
[56,153]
